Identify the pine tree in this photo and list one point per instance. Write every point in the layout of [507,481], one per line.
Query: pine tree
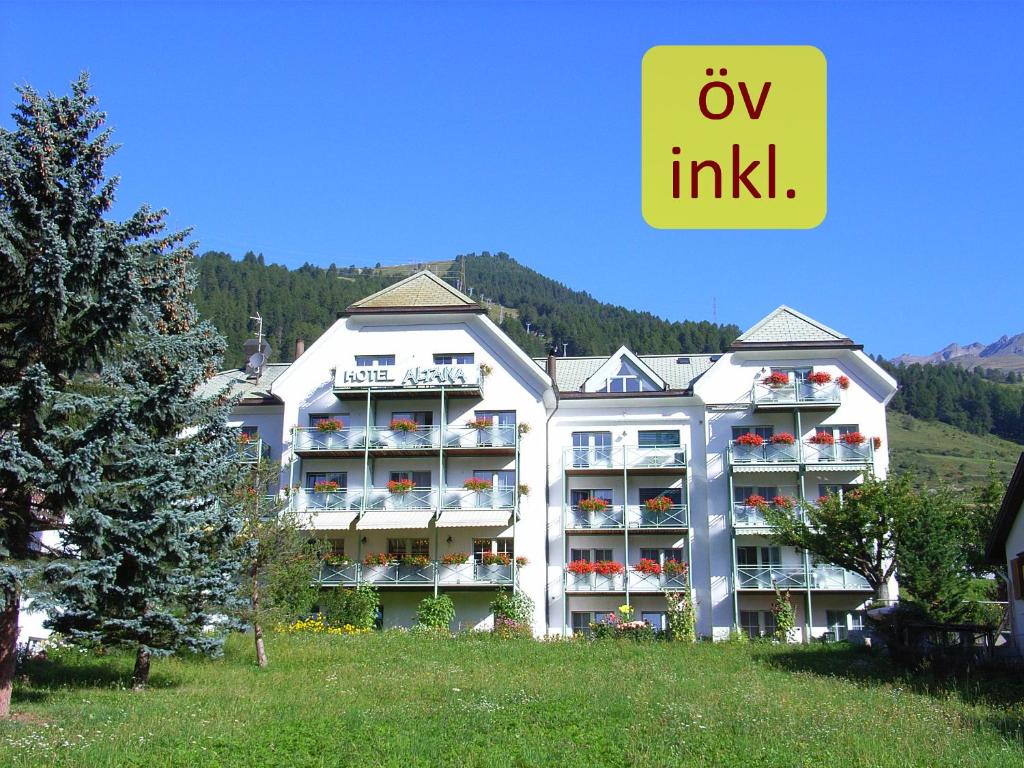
[69,294]
[155,567]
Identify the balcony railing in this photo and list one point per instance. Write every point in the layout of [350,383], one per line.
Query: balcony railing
[334,501]
[795,393]
[422,438]
[498,498]
[400,575]
[747,516]
[637,515]
[638,582]
[800,452]
[823,577]
[417,498]
[771,576]
[624,457]
[252,451]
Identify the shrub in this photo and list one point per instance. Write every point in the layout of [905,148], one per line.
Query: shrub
[785,616]
[436,613]
[514,606]
[681,619]
[356,607]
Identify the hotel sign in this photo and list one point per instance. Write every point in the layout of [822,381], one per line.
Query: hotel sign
[390,376]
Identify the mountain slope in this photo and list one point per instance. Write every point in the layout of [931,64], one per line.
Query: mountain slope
[938,453]
[1006,354]
[302,303]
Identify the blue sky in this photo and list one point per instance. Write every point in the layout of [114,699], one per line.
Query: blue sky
[407,132]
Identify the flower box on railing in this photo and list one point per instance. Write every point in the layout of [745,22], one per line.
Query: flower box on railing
[403,425]
[399,486]
[820,378]
[659,504]
[580,567]
[647,566]
[776,380]
[327,486]
[593,504]
[750,440]
[822,438]
[477,484]
[676,569]
[495,558]
[416,561]
[480,423]
[375,559]
[329,425]
[783,438]
[455,558]
[854,438]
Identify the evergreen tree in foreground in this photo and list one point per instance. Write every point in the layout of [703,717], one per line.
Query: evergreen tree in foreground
[155,568]
[69,293]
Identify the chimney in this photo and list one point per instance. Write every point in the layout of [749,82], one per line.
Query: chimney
[551,367]
[300,347]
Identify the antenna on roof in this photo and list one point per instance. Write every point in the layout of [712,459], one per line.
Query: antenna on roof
[257,350]
[714,310]
[565,345]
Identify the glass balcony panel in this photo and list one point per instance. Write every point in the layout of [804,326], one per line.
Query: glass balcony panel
[834,577]
[668,458]
[676,516]
[306,500]
[603,518]
[838,453]
[461,498]
[341,440]
[384,438]
[338,575]
[417,498]
[593,457]
[768,577]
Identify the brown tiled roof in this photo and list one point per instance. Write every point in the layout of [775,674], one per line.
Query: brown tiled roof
[423,290]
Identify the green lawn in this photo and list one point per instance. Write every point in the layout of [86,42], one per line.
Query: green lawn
[407,700]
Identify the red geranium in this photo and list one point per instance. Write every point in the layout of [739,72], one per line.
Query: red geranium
[659,504]
[403,425]
[592,504]
[876,442]
[756,500]
[399,486]
[783,502]
[751,439]
[822,438]
[326,486]
[648,566]
[609,568]
[495,558]
[676,568]
[819,377]
[843,382]
[580,567]
[854,438]
[477,484]
[776,379]
[783,438]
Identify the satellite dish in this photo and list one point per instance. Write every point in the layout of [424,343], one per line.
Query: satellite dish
[255,365]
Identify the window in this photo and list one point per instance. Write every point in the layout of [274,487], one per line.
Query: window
[658,438]
[370,361]
[628,379]
[419,478]
[657,619]
[313,478]
[741,493]
[581,622]
[591,449]
[251,433]
[760,430]
[757,623]
[337,547]
[399,548]
[590,555]
[499,546]
[576,495]
[675,494]
[663,554]
[835,621]
[758,557]
[422,418]
[316,418]
[457,358]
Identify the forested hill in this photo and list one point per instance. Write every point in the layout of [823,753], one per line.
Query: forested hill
[982,403]
[303,302]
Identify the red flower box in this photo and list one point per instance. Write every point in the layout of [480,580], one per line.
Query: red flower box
[403,425]
[648,566]
[592,504]
[751,439]
[580,567]
[455,558]
[676,568]
[783,502]
[658,504]
[522,561]
[609,568]
[777,379]
[377,559]
[399,486]
[756,500]
[854,438]
[329,425]
[820,377]
[822,438]
[783,438]
[876,442]
[843,382]
[477,484]
[495,558]
[328,486]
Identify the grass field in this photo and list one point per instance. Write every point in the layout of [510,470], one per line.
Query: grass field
[397,699]
[939,453]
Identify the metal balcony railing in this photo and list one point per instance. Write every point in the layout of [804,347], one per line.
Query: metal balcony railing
[252,451]
[422,438]
[624,457]
[397,574]
[771,576]
[417,498]
[795,393]
[801,452]
[637,515]
[610,517]
[638,582]
[676,516]
[497,498]
[836,578]
[495,436]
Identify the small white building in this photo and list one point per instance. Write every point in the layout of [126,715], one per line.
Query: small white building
[1006,546]
[437,457]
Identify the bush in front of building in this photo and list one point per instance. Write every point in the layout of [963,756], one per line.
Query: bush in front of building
[680,615]
[513,613]
[356,607]
[435,613]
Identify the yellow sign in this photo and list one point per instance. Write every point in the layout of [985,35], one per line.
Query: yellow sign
[734,137]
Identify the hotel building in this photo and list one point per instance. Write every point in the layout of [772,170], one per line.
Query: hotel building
[436,456]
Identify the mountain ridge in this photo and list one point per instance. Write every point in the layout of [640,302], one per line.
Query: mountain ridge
[1006,353]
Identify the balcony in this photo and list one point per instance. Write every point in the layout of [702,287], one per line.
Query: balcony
[471,574]
[634,459]
[796,394]
[826,578]
[638,582]
[785,457]
[748,516]
[638,516]
[422,441]
[252,451]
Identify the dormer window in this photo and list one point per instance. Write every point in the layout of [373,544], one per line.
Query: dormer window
[372,361]
[628,378]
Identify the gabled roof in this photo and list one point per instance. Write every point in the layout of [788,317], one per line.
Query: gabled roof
[611,365]
[677,371]
[421,292]
[995,551]
[786,327]
[237,383]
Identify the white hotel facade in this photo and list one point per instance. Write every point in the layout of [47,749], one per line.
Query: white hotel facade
[424,390]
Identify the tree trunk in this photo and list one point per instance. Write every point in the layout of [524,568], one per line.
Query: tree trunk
[261,651]
[8,649]
[882,592]
[140,677]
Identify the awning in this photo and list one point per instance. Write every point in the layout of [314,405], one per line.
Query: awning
[378,519]
[765,467]
[329,521]
[458,518]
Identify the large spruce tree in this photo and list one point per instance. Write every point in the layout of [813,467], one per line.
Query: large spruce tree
[99,358]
